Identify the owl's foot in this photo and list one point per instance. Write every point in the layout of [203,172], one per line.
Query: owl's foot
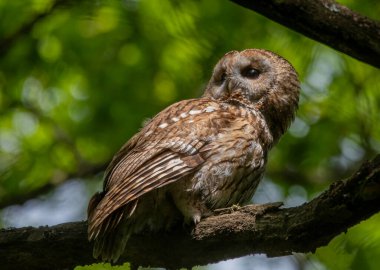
[192,220]
[196,219]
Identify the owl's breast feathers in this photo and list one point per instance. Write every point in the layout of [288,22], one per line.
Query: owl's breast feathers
[191,137]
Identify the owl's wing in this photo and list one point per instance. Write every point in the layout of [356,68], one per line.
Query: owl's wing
[161,153]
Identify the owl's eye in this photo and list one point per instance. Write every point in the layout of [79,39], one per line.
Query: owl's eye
[250,73]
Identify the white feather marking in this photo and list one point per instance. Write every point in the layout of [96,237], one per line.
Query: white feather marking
[174,162]
[148,133]
[154,179]
[189,149]
[171,144]
[192,112]
[151,167]
[163,125]
[177,168]
[183,115]
[209,109]
[172,165]
[175,119]
[154,171]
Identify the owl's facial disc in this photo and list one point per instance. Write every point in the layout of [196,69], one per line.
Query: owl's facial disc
[238,75]
[255,77]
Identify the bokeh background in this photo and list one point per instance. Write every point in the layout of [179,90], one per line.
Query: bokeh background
[78,79]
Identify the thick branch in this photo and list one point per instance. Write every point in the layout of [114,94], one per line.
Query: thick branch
[229,234]
[327,22]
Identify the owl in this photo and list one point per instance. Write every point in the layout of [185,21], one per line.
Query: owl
[197,155]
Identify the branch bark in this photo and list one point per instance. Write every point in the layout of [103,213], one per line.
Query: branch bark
[228,234]
[327,22]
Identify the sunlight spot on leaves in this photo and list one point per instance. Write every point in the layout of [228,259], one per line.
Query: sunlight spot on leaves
[130,54]
[50,48]
[164,88]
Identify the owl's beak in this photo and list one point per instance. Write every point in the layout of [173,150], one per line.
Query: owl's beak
[226,86]
[231,83]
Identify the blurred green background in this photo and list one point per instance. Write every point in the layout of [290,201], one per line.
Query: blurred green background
[78,78]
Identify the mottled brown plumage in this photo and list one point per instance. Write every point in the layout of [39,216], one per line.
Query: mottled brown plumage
[197,155]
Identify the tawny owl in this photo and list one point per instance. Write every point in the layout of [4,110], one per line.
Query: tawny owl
[197,155]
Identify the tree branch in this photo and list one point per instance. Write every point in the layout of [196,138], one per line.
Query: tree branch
[327,22]
[229,234]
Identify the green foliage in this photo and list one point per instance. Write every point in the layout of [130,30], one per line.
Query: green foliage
[357,249]
[81,80]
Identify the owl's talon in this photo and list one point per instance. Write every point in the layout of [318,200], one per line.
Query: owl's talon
[190,221]
[196,219]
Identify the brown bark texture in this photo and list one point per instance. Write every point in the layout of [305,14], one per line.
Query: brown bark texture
[230,233]
[325,21]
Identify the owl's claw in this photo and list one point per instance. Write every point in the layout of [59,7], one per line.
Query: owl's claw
[196,219]
[235,207]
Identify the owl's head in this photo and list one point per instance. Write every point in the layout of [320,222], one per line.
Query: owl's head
[258,79]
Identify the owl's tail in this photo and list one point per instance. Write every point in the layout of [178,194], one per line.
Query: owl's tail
[110,246]
[111,233]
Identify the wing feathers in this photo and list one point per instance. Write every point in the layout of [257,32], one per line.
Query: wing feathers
[160,171]
[168,148]
[97,228]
